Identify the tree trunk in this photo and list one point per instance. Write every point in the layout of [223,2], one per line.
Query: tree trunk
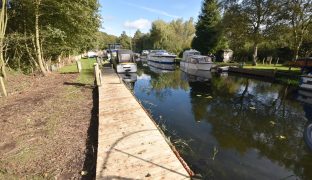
[255,55]
[3,25]
[37,37]
[296,54]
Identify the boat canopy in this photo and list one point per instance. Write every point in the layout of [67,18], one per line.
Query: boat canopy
[199,59]
[189,53]
[125,55]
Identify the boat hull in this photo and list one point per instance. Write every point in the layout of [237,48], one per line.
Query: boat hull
[306,83]
[169,67]
[196,66]
[126,68]
[162,59]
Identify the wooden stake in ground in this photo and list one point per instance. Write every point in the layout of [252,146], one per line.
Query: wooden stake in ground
[97,74]
[79,67]
[2,86]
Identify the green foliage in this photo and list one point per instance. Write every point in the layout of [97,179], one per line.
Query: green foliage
[65,27]
[268,28]
[103,39]
[208,37]
[125,40]
[174,36]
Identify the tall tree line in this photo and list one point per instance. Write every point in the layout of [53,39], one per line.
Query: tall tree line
[174,36]
[281,29]
[254,29]
[40,31]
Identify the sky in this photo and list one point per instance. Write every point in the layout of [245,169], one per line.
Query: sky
[130,15]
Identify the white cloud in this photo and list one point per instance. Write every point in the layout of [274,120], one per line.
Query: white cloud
[138,24]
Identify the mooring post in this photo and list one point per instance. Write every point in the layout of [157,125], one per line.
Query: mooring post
[97,74]
[98,60]
[79,67]
[3,87]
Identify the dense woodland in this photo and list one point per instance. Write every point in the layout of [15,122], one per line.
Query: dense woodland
[34,33]
[37,33]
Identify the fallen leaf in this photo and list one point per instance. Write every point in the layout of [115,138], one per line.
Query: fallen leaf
[281,137]
[83,173]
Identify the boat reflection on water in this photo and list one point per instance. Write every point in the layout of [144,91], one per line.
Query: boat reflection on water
[129,79]
[159,68]
[200,90]
[193,75]
[306,98]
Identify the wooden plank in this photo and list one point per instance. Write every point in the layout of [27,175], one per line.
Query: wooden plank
[130,145]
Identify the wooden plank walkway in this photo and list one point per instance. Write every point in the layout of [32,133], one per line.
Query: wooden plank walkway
[130,145]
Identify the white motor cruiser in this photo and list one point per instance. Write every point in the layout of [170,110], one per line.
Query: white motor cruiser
[193,60]
[161,57]
[125,61]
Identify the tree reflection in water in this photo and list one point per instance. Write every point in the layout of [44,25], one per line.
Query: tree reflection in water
[246,119]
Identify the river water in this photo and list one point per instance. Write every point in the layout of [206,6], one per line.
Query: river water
[230,126]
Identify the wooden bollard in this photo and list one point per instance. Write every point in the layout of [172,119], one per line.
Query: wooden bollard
[79,67]
[3,87]
[98,60]
[97,74]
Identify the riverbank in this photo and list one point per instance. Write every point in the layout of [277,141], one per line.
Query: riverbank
[280,73]
[48,125]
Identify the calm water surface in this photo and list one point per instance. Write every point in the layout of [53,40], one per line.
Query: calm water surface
[230,127]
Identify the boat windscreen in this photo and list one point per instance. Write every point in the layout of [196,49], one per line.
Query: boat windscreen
[124,58]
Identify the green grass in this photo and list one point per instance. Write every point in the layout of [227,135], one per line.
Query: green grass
[271,67]
[86,75]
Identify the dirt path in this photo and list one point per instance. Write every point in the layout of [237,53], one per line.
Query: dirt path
[48,128]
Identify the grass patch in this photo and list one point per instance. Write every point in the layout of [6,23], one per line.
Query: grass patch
[271,67]
[220,64]
[86,76]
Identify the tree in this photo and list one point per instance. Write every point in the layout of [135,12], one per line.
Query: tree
[103,39]
[125,40]
[43,30]
[174,36]
[253,17]
[137,41]
[3,26]
[207,32]
[161,35]
[298,15]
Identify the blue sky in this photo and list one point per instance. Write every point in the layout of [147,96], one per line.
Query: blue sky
[130,15]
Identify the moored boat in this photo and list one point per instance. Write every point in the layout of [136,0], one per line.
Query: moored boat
[125,62]
[169,67]
[306,82]
[192,59]
[161,57]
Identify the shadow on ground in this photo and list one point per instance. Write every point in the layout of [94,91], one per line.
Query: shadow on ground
[92,141]
[69,73]
[79,85]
